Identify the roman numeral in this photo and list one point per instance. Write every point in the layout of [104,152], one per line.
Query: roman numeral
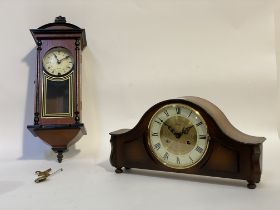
[154,134]
[202,136]
[157,146]
[158,122]
[198,124]
[199,149]
[165,156]
[190,114]
[178,160]
[178,110]
[191,159]
[166,113]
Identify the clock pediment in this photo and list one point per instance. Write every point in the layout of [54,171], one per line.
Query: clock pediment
[59,29]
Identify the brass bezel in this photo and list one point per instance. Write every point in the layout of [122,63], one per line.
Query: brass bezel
[151,147]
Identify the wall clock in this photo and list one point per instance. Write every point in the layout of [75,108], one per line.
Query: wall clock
[57,110]
[188,135]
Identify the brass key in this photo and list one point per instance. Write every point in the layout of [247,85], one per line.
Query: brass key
[43,175]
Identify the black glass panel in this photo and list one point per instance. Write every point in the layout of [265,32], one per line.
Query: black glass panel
[57,98]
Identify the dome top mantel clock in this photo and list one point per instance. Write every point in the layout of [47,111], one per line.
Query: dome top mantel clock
[57,107]
[188,135]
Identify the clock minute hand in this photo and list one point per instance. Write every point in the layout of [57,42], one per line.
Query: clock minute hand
[177,135]
[169,127]
[56,58]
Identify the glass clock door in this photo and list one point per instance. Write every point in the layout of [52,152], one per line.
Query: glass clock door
[57,96]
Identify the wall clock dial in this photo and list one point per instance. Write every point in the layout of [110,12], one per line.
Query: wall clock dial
[178,136]
[188,135]
[57,110]
[58,61]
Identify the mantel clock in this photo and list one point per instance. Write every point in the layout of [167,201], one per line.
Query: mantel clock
[188,135]
[57,107]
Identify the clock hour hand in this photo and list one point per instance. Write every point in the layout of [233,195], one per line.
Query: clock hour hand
[186,130]
[65,58]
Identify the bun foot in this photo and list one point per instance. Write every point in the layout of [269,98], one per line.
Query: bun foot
[119,170]
[251,185]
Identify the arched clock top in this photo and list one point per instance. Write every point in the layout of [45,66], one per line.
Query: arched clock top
[222,121]
[212,110]
[59,29]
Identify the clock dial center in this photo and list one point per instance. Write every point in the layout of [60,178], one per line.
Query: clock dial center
[178,142]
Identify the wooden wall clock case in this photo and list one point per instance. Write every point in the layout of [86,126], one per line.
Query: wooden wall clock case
[230,153]
[57,107]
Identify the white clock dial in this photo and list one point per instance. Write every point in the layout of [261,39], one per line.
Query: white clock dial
[178,136]
[58,61]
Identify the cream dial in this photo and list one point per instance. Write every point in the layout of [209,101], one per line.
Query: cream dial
[178,136]
[58,61]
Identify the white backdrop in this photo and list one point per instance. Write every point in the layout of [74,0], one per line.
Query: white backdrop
[140,52]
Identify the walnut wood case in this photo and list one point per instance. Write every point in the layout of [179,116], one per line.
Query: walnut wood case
[59,132]
[231,153]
